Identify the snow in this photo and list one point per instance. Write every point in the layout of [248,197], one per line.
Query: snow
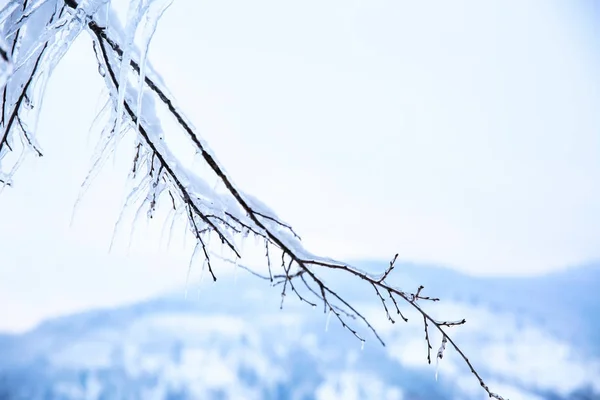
[236,341]
[352,385]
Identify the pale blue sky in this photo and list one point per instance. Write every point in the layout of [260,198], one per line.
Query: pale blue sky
[464,133]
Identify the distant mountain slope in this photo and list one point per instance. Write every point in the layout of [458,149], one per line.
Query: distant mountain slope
[531,338]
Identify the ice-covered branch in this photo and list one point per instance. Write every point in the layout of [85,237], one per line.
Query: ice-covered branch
[136,91]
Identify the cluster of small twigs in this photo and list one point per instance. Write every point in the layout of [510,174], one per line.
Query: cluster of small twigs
[11,119]
[299,269]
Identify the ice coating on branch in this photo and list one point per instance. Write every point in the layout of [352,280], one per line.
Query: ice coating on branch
[200,193]
[205,199]
[119,34]
[112,23]
[235,206]
[34,36]
[99,156]
[25,74]
[8,9]
[6,65]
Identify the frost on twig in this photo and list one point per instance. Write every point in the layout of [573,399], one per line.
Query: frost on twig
[136,92]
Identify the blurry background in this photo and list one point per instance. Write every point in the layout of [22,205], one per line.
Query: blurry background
[461,135]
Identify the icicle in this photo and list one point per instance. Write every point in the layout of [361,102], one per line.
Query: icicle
[177,214]
[64,31]
[170,215]
[187,277]
[235,270]
[328,319]
[38,89]
[202,275]
[362,345]
[134,14]
[242,240]
[138,213]
[152,16]
[187,229]
[45,38]
[107,16]
[7,178]
[99,158]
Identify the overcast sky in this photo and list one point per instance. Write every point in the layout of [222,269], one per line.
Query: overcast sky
[463,134]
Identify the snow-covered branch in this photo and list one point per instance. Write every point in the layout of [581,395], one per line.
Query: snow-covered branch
[39,33]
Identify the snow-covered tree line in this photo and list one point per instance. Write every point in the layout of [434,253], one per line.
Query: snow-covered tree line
[36,34]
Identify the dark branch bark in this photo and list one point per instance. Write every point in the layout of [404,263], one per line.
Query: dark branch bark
[259,223]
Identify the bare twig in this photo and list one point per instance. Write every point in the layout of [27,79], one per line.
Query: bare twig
[323,291]
[299,269]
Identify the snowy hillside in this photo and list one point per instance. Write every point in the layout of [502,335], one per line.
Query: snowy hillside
[534,338]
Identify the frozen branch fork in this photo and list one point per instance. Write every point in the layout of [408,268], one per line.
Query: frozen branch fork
[35,36]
